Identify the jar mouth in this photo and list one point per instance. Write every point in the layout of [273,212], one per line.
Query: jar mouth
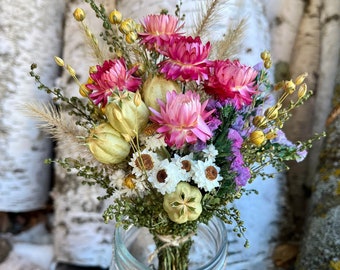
[215,233]
[219,230]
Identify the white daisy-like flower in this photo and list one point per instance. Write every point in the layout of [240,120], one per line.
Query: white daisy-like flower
[143,162]
[210,152]
[129,186]
[152,142]
[206,175]
[117,178]
[185,163]
[166,176]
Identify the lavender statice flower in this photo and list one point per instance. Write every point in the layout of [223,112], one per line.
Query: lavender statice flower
[237,163]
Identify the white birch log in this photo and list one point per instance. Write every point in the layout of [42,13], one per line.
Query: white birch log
[284,17]
[27,35]
[80,235]
[261,213]
[329,57]
[305,57]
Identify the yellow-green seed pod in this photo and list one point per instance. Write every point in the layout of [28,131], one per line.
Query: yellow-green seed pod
[184,204]
[257,137]
[156,87]
[79,14]
[106,144]
[126,117]
[115,17]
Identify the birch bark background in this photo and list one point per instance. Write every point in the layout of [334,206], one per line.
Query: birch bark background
[80,235]
[24,178]
[301,35]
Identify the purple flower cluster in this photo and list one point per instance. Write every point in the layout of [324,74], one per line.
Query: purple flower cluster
[237,163]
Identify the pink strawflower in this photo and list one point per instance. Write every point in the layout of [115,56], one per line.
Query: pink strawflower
[158,29]
[187,60]
[232,81]
[112,75]
[182,119]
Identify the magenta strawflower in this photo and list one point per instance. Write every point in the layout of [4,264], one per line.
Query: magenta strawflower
[112,75]
[182,119]
[158,29]
[232,81]
[187,60]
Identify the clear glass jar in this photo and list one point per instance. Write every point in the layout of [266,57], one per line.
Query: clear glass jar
[132,248]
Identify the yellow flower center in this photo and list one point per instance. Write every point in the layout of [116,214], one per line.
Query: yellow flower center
[128,181]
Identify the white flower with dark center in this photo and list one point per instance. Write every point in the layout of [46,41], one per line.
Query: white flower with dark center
[166,176]
[206,175]
[143,163]
[185,163]
[210,152]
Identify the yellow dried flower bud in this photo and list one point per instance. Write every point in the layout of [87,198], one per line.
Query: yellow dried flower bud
[272,112]
[127,26]
[127,118]
[92,69]
[141,69]
[259,121]
[271,135]
[300,79]
[106,144]
[184,204]
[79,14]
[279,85]
[139,28]
[115,17]
[71,70]
[137,99]
[267,64]
[156,87]
[126,137]
[289,86]
[302,90]
[265,55]
[131,37]
[59,61]
[257,137]
[83,90]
